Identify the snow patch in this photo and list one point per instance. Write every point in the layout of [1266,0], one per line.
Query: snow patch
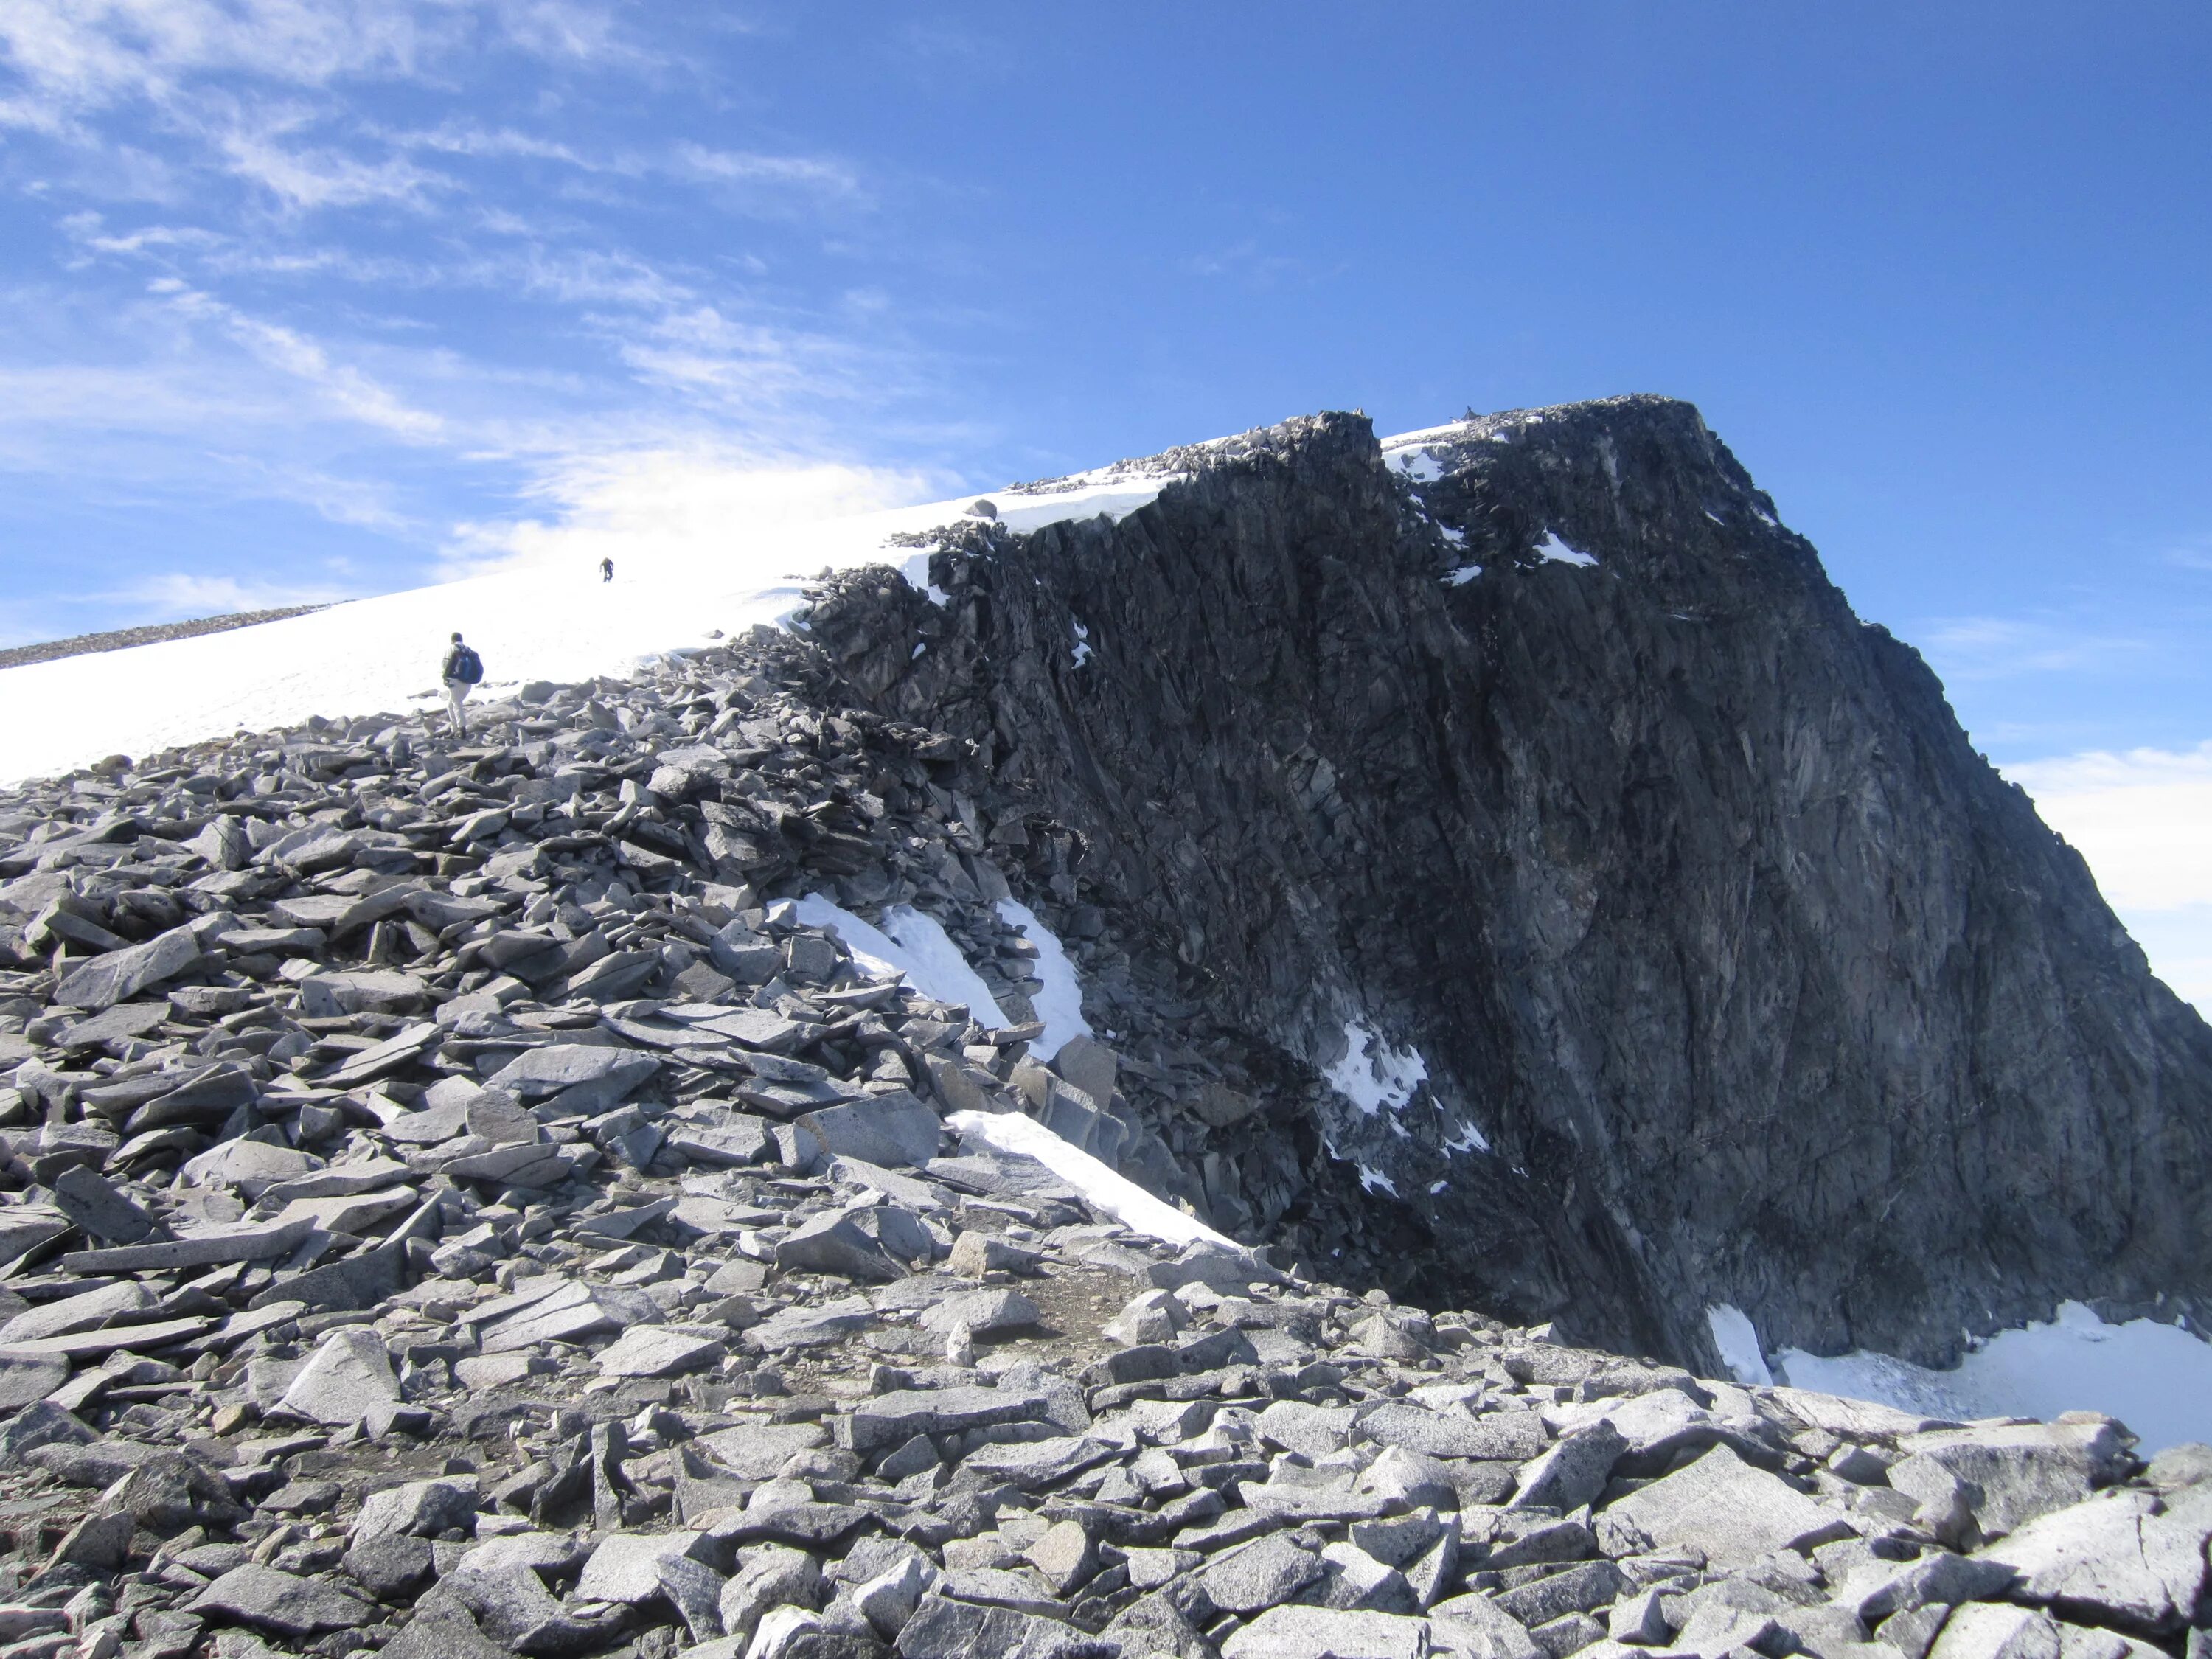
[1113,1193]
[1559,552]
[1421,466]
[1462,576]
[1370,1082]
[1082,645]
[1734,1335]
[1375,1181]
[1059,1004]
[909,943]
[1468,1140]
[916,572]
[2155,1379]
[1453,534]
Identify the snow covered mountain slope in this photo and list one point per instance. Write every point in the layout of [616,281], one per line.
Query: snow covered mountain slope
[381,654]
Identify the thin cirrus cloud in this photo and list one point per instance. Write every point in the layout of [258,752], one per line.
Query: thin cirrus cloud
[1991,647]
[2140,817]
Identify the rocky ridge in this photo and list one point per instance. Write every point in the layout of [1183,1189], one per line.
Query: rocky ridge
[1586,914]
[456,1205]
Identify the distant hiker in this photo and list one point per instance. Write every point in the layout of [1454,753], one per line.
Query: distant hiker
[606,570]
[463,668]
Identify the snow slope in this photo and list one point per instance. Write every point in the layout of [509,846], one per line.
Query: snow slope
[381,655]
[2155,1379]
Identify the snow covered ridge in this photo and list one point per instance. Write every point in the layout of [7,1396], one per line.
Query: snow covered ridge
[381,655]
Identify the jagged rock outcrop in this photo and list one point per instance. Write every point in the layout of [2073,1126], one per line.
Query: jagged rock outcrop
[1541,764]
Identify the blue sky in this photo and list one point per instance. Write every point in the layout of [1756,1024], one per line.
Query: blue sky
[308,299]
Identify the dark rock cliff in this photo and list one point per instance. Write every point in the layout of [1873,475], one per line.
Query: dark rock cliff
[1706,961]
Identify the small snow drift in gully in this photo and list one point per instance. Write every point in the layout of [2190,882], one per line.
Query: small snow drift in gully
[1591,915]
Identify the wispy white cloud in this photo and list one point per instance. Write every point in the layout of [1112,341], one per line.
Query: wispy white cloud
[344,388]
[812,175]
[173,595]
[1992,648]
[2142,818]
[672,499]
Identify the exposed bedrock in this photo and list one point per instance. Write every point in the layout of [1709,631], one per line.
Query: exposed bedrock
[1699,909]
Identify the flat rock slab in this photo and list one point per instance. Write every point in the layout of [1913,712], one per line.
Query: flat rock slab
[105,980]
[755,1451]
[2123,1557]
[612,1073]
[1732,1511]
[1326,1633]
[892,1419]
[658,1350]
[27,1377]
[627,1566]
[982,1312]
[282,1601]
[890,1130]
[347,1380]
[250,1243]
[1500,1435]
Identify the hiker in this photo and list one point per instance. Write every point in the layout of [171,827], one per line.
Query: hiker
[606,570]
[463,668]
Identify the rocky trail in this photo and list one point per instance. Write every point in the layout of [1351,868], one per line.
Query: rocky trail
[492,1194]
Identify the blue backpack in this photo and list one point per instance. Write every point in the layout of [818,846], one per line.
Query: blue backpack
[464,666]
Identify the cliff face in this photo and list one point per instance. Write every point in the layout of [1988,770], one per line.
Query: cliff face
[1609,924]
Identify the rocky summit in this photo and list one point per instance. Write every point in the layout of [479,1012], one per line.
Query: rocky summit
[1176,1085]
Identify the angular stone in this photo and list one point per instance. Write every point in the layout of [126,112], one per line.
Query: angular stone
[86,1310]
[1296,1633]
[249,1167]
[2015,1472]
[756,1450]
[1939,1579]
[942,1628]
[1574,1470]
[92,1201]
[1730,1510]
[658,1350]
[834,1243]
[1983,1630]
[1517,1434]
[893,1130]
[804,1327]
[347,1380]
[42,1423]
[421,1507]
[119,974]
[390,1565]
[217,1244]
[101,1542]
[28,1378]
[626,1567]
[982,1312]
[2121,1557]
[282,1601]
[891,1419]
[1258,1575]
[974,1253]
[601,1076]
[1066,1555]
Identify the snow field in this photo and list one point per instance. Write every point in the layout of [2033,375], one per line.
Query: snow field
[2155,1379]
[536,623]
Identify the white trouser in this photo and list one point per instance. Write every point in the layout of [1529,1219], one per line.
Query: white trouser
[456,693]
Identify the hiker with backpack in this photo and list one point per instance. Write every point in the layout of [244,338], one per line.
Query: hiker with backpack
[463,668]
